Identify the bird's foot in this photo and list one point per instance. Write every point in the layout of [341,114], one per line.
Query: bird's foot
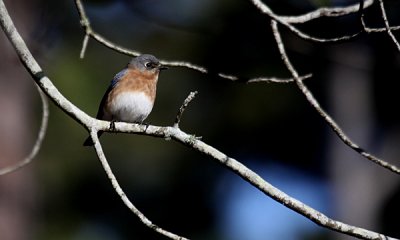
[112,125]
[146,125]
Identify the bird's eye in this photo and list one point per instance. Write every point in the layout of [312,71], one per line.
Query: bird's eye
[149,65]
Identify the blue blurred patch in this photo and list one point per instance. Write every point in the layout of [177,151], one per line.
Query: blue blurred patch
[244,212]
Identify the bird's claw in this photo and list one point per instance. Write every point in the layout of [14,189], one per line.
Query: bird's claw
[112,125]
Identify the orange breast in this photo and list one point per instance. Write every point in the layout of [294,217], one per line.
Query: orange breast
[135,81]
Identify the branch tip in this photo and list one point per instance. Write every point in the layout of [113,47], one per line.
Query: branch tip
[38,144]
[185,103]
[84,45]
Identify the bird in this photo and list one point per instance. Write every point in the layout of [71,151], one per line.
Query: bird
[131,94]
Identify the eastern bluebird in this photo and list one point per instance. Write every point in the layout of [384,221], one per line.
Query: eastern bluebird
[131,94]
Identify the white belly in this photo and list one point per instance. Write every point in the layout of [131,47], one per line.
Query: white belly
[131,107]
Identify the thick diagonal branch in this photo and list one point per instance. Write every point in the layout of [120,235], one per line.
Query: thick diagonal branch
[95,125]
[81,117]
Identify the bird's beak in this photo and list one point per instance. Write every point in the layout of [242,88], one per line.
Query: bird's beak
[162,67]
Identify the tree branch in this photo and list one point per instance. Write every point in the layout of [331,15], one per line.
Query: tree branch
[309,96]
[249,176]
[267,11]
[94,125]
[39,139]
[122,194]
[325,12]
[311,99]
[375,30]
[188,99]
[387,26]
[89,32]
[378,30]
[81,117]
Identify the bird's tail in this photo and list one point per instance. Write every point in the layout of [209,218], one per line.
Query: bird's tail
[89,142]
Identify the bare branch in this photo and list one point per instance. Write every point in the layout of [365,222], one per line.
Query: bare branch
[84,45]
[377,30]
[91,33]
[249,176]
[122,194]
[266,10]
[81,117]
[188,99]
[325,12]
[310,98]
[389,31]
[231,77]
[95,125]
[39,139]
[268,80]
[35,70]
[321,40]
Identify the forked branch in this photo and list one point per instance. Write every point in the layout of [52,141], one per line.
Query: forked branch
[89,32]
[95,125]
[307,93]
[311,99]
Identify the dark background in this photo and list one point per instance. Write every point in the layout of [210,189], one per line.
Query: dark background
[269,127]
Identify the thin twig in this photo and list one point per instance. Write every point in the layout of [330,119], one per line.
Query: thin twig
[84,46]
[122,194]
[39,139]
[231,77]
[378,30]
[375,30]
[361,11]
[325,12]
[96,125]
[267,11]
[387,26]
[188,99]
[320,40]
[311,99]
[268,80]
[91,33]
